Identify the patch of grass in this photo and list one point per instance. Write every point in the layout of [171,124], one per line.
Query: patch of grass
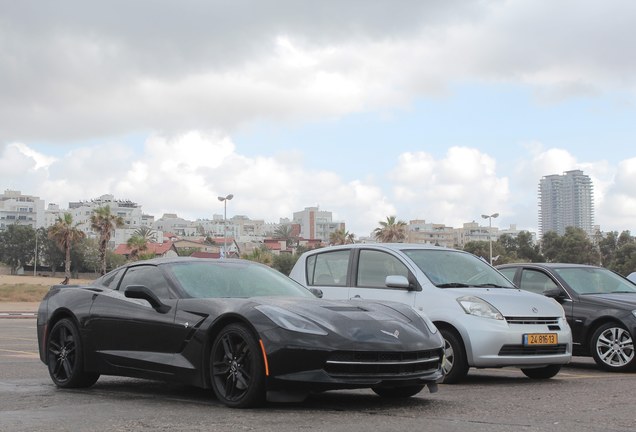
[22,292]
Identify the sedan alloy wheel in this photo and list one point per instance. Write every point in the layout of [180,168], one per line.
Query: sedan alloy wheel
[613,348]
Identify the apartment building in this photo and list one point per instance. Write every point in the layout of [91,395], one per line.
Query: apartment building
[21,209]
[566,200]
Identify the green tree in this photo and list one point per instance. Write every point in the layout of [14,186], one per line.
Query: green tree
[49,253]
[104,223]
[284,262]
[17,246]
[340,237]
[65,234]
[527,250]
[625,262]
[260,254]
[390,231]
[573,247]
[137,246]
[607,246]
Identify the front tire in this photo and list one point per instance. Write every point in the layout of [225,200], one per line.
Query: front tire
[236,368]
[613,348]
[455,363]
[398,392]
[542,373]
[65,358]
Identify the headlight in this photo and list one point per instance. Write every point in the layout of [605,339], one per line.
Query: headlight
[478,307]
[290,321]
[634,312]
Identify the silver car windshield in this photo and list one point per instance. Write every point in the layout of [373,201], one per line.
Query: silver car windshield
[456,269]
[592,280]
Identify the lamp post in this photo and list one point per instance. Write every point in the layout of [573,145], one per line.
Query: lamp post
[224,200]
[490,217]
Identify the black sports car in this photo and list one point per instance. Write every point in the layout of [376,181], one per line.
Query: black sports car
[241,328]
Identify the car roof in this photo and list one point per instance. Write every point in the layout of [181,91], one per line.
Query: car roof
[391,246]
[548,265]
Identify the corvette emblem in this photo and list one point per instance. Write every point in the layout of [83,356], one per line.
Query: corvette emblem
[395,334]
[186,325]
[535,310]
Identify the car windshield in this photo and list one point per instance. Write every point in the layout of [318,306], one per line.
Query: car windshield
[214,279]
[455,269]
[593,280]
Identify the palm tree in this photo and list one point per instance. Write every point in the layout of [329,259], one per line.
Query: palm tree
[137,245]
[285,232]
[65,233]
[391,231]
[146,233]
[104,223]
[340,237]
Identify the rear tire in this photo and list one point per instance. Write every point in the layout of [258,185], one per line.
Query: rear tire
[65,358]
[455,363]
[542,373]
[398,392]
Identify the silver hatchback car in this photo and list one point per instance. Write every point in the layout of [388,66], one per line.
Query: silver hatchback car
[485,321]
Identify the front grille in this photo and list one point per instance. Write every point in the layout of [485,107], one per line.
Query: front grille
[383,363]
[532,320]
[521,350]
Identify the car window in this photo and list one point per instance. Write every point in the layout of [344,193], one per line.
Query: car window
[535,281]
[110,280]
[451,268]
[375,266]
[148,276]
[509,273]
[204,279]
[328,268]
[593,280]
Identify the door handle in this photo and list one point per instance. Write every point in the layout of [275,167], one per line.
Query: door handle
[357,296]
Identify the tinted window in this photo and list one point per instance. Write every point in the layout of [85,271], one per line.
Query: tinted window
[148,276]
[110,280]
[535,281]
[328,268]
[592,280]
[375,266]
[509,273]
[208,279]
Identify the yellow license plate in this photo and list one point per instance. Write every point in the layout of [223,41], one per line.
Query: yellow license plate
[540,339]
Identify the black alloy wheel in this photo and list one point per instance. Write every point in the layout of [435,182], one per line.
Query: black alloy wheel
[613,348]
[236,368]
[455,363]
[545,372]
[65,357]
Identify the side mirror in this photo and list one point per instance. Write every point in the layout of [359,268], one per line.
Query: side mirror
[555,293]
[143,293]
[317,292]
[397,281]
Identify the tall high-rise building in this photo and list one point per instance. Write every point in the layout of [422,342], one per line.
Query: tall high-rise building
[566,200]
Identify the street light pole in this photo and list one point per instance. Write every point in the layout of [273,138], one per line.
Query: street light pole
[225,199]
[490,217]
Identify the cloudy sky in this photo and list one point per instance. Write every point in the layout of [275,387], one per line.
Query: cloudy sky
[440,110]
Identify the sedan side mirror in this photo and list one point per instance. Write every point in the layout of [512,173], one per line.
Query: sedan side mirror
[143,293]
[317,292]
[555,293]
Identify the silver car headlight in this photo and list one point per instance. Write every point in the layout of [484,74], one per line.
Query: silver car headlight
[479,307]
[290,321]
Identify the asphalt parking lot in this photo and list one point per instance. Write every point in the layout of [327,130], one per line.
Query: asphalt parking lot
[581,398]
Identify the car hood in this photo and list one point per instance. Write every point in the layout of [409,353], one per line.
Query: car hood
[514,302]
[625,301]
[364,321]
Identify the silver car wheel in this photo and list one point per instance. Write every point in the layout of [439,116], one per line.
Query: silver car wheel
[615,347]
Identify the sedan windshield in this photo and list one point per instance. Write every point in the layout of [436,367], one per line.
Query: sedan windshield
[456,269]
[592,280]
[214,279]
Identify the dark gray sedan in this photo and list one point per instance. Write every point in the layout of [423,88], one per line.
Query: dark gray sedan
[600,307]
